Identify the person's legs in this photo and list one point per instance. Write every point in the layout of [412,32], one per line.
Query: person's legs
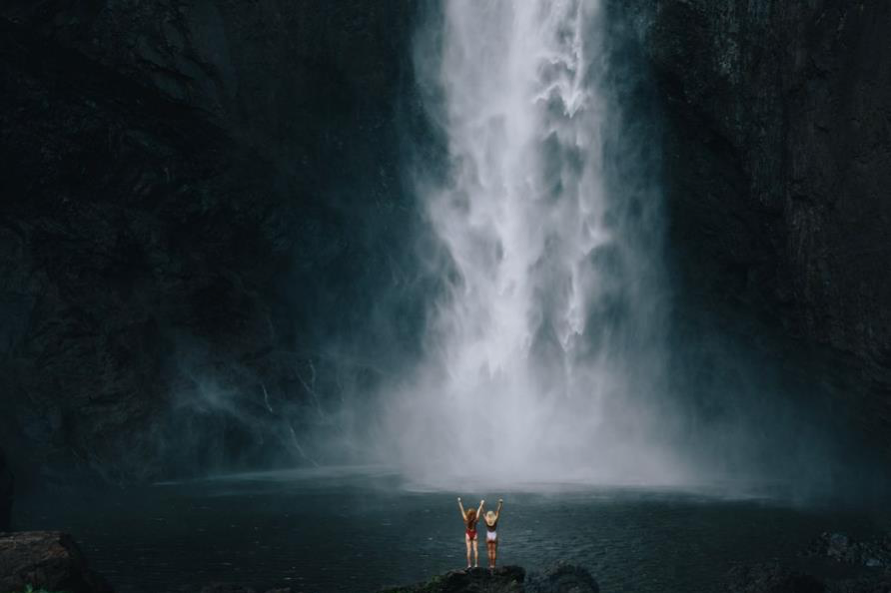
[490,548]
[467,542]
[476,553]
[494,553]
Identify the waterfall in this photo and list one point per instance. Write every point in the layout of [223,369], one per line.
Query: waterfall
[543,356]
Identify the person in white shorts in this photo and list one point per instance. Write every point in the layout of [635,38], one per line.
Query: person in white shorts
[491,519]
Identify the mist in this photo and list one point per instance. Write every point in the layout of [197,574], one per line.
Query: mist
[528,327]
[555,346]
[543,356]
[281,280]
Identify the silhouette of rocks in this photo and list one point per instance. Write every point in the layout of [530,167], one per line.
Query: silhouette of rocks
[560,578]
[46,559]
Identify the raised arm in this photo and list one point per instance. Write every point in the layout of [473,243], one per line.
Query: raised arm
[461,507]
[498,510]
[479,511]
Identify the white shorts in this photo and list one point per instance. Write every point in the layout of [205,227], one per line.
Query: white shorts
[491,536]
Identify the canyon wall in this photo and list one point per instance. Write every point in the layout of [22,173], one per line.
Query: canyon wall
[777,157]
[198,196]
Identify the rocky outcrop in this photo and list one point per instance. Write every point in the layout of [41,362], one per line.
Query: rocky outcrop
[46,560]
[833,563]
[843,548]
[504,579]
[560,578]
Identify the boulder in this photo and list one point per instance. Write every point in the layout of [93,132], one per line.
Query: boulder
[505,579]
[46,559]
[137,192]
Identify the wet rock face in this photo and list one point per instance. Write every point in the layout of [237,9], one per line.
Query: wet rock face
[777,165]
[46,560]
[275,73]
[190,190]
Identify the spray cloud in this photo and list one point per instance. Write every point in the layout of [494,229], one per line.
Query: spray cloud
[544,353]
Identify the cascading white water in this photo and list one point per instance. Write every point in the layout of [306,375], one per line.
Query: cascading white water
[543,357]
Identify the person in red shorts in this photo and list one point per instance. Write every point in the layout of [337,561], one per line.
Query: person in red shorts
[470,518]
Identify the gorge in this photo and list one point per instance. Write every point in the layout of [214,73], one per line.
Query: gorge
[204,151]
[633,242]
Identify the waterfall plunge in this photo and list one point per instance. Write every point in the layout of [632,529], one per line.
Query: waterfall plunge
[544,355]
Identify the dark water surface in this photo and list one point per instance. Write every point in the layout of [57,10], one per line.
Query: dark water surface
[330,530]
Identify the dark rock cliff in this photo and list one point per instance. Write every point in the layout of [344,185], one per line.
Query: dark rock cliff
[196,196]
[778,168]
[46,561]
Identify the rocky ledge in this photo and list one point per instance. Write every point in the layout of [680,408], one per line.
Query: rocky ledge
[833,563]
[46,560]
[51,561]
[560,578]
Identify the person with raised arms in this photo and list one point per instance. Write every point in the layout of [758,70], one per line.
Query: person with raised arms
[491,519]
[470,518]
